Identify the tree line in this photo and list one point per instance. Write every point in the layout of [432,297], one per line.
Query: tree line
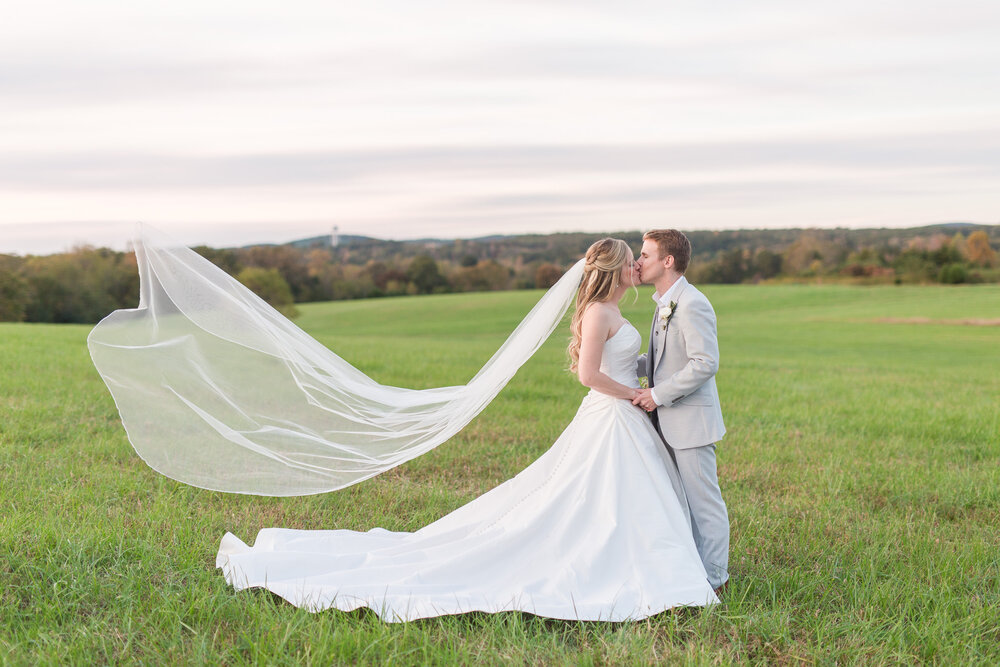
[816,256]
[85,284]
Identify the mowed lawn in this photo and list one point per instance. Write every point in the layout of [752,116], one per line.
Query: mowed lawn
[861,472]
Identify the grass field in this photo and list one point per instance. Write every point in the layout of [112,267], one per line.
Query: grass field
[861,472]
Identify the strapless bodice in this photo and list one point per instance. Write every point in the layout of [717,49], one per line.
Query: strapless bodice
[620,354]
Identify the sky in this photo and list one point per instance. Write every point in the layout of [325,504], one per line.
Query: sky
[229,123]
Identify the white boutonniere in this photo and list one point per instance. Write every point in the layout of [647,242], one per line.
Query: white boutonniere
[666,312]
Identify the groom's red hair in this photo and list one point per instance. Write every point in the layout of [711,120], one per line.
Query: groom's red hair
[671,242]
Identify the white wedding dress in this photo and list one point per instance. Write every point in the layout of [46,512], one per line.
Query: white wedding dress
[595,529]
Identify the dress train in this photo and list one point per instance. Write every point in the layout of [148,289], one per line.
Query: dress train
[595,529]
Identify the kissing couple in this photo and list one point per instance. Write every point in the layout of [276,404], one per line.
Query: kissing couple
[620,519]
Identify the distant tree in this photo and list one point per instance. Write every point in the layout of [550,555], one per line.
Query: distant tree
[547,275]
[766,264]
[398,287]
[382,274]
[10,262]
[800,255]
[864,262]
[914,266]
[424,274]
[81,286]
[953,274]
[811,253]
[13,296]
[323,272]
[484,276]
[289,261]
[119,277]
[227,260]
[469,260]
[317,258]
[865,256]
[269,285]
[946,254]
[978,249]
[352,282]
[729,268]
[958,243]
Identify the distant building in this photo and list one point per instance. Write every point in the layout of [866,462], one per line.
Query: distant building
[335,237]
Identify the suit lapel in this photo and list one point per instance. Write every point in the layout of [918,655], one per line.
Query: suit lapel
[662,352]
[651,351]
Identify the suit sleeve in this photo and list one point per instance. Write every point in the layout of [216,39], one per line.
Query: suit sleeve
[701,342]
[640,366]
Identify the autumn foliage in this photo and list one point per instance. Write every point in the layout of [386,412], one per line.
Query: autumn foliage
[85,284]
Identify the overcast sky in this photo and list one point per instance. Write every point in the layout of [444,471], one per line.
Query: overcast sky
[236,122]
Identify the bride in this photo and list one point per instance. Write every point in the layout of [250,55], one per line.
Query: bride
[595,529]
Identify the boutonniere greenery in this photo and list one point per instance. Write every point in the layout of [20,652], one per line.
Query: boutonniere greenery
[665,314]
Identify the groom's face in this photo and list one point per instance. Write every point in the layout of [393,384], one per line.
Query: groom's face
[651,265]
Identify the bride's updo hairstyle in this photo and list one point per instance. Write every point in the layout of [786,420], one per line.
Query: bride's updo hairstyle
[601,278]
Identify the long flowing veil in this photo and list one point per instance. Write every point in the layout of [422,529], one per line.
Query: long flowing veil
[218,390]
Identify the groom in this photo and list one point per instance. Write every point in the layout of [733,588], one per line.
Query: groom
[680,368]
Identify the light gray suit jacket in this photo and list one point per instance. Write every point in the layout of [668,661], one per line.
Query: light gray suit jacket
[682,368]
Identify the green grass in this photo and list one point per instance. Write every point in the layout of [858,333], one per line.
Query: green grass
[860,469]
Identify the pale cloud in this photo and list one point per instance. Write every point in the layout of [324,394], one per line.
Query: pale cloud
[470,118]
[969,151]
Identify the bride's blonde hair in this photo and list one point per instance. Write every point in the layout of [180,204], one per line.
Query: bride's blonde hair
[601,278]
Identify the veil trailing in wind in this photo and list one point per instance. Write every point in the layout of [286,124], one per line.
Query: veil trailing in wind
[218,390]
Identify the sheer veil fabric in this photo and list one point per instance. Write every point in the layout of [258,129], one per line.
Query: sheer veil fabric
[218,390]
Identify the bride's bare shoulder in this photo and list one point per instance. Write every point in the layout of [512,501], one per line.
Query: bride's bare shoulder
[598,313]
[601,307]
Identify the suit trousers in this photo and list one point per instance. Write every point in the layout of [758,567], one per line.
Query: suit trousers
[709,518]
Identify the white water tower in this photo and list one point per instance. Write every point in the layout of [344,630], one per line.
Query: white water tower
[335,237]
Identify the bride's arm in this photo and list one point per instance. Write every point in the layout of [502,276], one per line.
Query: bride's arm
[596,327]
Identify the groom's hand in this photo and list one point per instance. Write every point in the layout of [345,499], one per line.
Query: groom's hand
[644,399]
